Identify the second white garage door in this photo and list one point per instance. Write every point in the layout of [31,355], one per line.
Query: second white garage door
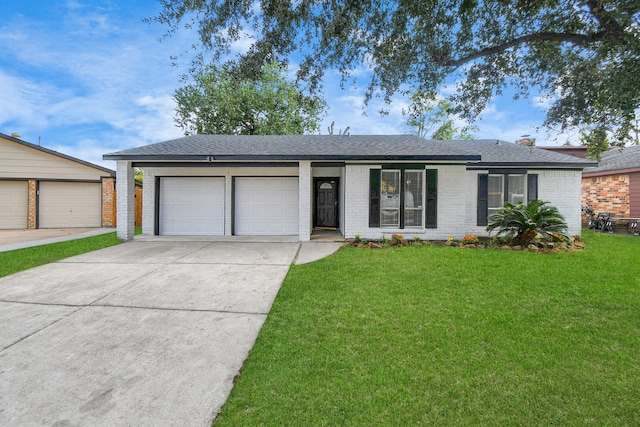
[192,206]
[13,204]
[266,206]
[70,204]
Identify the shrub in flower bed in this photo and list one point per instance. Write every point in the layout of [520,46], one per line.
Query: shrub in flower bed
[471,241]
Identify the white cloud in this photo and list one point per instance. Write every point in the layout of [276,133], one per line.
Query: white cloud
[89,77]
[89,150]
[544,102]
[21,100]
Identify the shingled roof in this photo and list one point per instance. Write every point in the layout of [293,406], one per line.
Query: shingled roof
[617,160]
[341,148]
[501,153]
[295,147]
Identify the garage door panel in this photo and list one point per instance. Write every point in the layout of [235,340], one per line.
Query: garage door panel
[266,206]
[192,206]
[14,201]
[70,204]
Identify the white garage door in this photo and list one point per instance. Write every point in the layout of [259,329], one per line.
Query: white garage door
[192,206]
[70,204]
[14,200]
[266,206]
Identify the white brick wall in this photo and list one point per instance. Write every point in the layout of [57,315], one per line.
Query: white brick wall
[561,188]
[356,202]
[304,201]
[451,205]
[457,198]
[148,200]
[125,200]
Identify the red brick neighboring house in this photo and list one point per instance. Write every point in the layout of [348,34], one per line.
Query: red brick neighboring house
[614,185]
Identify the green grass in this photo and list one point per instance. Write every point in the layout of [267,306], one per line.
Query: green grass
[450,337]
[22,259]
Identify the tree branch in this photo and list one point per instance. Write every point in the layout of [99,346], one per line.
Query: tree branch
[577,39]
[607,23]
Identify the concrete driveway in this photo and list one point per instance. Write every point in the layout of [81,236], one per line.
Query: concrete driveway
[143,333]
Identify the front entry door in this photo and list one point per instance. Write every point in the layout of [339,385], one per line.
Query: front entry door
[326,212]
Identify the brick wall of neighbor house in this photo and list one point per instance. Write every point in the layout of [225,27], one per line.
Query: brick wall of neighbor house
[32,214]
[108,202]
[608,193]
[451,205]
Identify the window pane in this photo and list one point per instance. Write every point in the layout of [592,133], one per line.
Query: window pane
[495,194]
[413,189]
[413,198]
[517,189]
[390,199]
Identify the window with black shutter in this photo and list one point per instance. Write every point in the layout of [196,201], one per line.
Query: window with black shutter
[495,189]
[403,196]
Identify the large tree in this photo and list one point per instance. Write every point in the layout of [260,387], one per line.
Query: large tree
[431,117]
[221,102]
[583,54]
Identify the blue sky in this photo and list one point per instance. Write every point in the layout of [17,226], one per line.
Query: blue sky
[87,77]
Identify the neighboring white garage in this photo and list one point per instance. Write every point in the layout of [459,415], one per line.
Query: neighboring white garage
[70,204]
[14,202]
[266,206]
[191,206]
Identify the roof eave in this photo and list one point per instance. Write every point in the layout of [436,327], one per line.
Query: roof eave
[315,157]
[484,165]
[588,174]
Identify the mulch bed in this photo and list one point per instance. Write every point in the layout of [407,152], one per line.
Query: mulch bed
[482,243]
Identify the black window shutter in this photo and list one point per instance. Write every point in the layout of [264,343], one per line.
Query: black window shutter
[532,187]
[374,198]
[483,199]
[431,208]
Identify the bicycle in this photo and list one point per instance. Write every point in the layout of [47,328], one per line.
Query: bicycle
[601,222]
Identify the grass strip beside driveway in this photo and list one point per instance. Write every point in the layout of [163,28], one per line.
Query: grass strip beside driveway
[448,337]
[23,259]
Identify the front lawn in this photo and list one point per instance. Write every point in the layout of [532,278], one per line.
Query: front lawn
[450,337]
[23,259]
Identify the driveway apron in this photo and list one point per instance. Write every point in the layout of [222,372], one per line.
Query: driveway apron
[142,333]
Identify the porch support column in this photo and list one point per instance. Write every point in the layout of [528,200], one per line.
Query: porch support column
[125,200]
[304,201]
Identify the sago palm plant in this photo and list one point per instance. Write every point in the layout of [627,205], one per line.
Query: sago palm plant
[522,223]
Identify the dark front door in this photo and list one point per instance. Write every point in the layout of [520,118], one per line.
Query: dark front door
[326,213]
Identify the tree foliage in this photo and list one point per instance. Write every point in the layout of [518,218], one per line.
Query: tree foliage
[218,102]
[583,54]
[431,117]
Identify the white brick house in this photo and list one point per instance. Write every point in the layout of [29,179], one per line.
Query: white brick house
[373,186]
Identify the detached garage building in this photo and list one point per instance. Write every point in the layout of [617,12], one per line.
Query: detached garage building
[41,188]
